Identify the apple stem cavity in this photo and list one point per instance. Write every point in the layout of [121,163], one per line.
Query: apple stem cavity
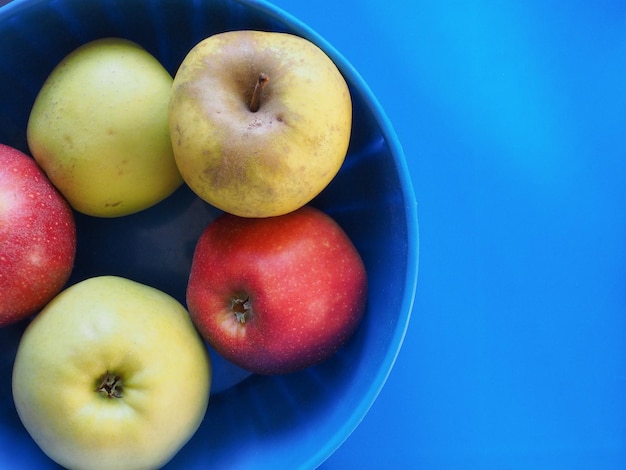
[255,101]
[241,309]
[110,386]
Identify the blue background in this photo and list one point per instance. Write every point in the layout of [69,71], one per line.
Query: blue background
[512,116]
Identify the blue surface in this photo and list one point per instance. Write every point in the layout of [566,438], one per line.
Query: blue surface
[512,116]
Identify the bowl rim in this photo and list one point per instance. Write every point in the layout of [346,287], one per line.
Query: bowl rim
[297,26]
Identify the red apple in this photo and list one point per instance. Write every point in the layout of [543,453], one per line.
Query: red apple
[37,237]
[276,295]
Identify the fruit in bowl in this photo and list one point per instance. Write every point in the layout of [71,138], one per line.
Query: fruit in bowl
[276,295]
[285,421]
[111,374]
[37,237]
[99,130]
[260,121]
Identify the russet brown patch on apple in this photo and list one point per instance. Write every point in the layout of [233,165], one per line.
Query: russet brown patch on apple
[229,106]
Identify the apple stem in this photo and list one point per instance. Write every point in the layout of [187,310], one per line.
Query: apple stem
[255,101]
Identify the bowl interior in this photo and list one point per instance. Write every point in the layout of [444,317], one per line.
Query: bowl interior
[253,421]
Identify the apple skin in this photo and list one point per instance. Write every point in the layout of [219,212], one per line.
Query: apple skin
[99,129]
[37,237]
[267,162]
[111,325]
[302,278]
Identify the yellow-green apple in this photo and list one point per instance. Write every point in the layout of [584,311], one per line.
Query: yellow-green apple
[111,374]
[37,237]
[260,121]
[99,129]
[276,295]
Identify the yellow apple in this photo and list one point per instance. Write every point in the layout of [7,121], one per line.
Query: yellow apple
[111,374]
[260,122]
[99,129]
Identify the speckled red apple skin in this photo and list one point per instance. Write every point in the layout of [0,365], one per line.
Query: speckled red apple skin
[305,281]
[37,237]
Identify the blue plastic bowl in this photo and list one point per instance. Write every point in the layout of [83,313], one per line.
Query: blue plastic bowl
[291,421]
